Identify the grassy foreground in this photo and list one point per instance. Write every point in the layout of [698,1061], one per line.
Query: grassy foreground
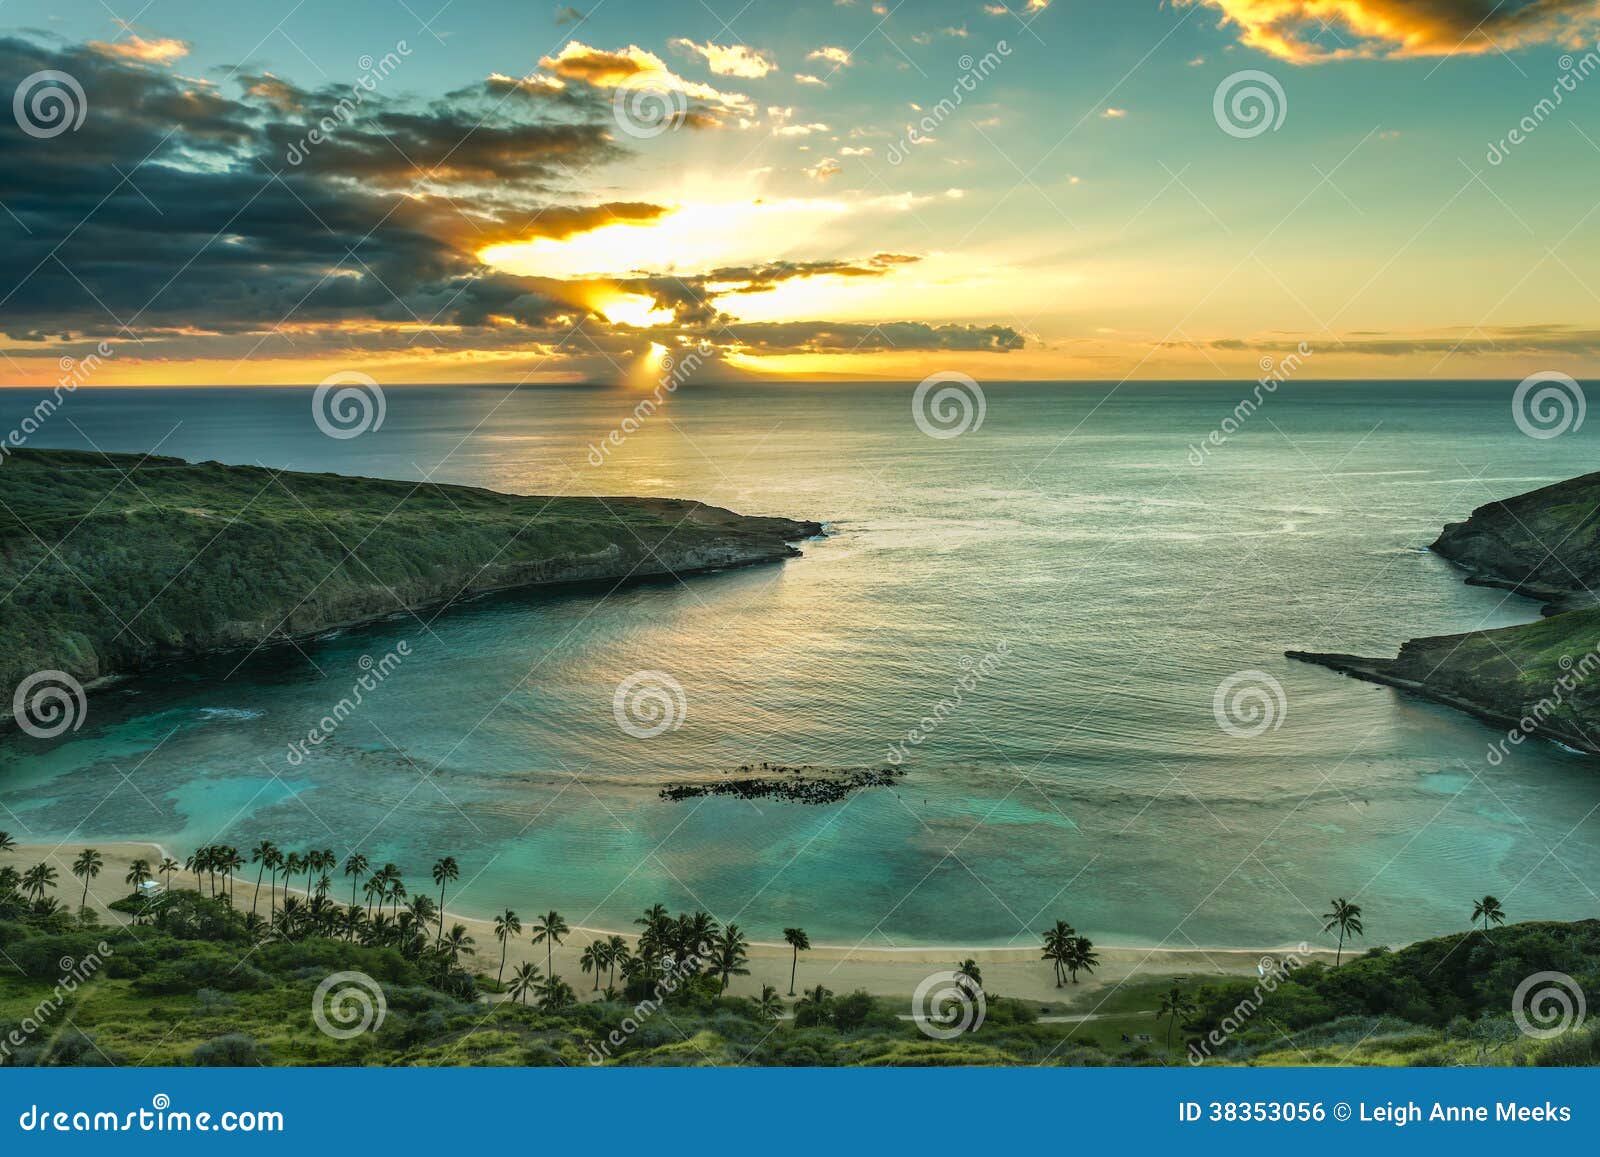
[197,983]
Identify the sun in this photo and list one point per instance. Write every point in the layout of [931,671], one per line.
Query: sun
[635,309]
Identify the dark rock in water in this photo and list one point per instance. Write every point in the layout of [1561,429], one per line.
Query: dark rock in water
[806,784]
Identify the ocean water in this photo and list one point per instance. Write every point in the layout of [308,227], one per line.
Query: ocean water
[1067,561]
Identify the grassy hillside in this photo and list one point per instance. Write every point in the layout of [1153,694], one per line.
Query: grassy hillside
[115,561]
[1541,678]
[198,983]
[1545,542]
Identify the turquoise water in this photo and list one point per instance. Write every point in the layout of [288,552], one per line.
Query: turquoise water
[1085,776]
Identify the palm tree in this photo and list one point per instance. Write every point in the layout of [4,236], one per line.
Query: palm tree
[731,951]
[355,866]
[353,923]
[1489,911]
[86,867]
[800,942]
[1057,942]
[323,862]
[652,941]
[549,931]
[375,889]
[167,868]
[444,871]
[395,890]
[555,993]
[768,1003]
[506,925]
[274,862]
[7,844]
[817,995]
[616,954]
[1346,917]
[1176,1003]
[260,854]
[292,864]
[423,910]
[524,979]
[594,960]
[232,861]
[969,968]
[1078,955]
[138,874]
[456,941]
[36,879]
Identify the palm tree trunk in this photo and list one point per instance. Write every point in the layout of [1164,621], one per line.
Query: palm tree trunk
[84,903]
[500,976]
[1340,951]
[261,871]
[793,965]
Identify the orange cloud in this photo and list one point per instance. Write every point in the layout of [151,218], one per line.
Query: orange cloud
[1309,31]
[604,69]
[161,50]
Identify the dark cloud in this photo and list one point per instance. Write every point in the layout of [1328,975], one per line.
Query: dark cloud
[854,337]
[241,215]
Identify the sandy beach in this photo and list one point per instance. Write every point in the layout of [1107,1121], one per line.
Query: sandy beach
[1017,972]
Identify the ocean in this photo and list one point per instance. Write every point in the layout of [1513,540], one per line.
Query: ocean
[1033,619]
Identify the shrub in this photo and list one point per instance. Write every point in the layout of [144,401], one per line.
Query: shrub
[233,1050]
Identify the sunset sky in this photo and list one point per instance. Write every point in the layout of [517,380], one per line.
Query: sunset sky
[498,200]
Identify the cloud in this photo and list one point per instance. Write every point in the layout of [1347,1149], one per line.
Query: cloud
[832,53]
[847,337]
[824,170]
[161,50]
[1524,341]
[567,14]
[603,69]
[729,60]
[807,78]
[1309,31]
[216,246]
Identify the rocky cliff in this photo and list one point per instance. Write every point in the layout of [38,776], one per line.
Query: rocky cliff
[113,563]
[1540,679]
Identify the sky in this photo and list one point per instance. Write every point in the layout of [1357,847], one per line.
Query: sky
[476,191]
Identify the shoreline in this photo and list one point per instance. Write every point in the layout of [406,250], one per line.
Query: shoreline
[896,971]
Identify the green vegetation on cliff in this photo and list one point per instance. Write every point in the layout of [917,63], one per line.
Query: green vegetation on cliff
[114,561]
[1538,679]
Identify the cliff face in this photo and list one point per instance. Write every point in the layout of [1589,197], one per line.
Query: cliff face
[1538,679]
[1544,544]
[115,562]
